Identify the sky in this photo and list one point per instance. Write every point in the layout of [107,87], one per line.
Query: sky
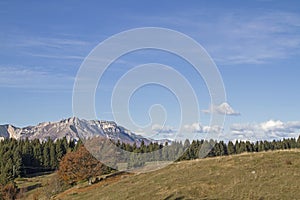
[254,44]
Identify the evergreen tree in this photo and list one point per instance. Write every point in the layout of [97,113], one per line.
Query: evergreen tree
[143,148]
[17,163]
[186,144]
[53,158]
[249,146]
[37,153]
[46,155]
[261,146]
[231,148]
[223,148]
[60,150]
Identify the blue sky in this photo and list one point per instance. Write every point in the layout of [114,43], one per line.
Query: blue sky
[255,44]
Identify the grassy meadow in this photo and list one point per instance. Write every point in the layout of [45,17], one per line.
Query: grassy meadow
[265,175]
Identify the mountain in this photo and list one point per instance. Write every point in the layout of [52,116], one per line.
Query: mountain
[72,128]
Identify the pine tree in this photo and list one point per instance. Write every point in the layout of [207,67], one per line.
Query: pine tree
[223,148]
[53,159]
[37,153]
[17,163]
[261,146]
[143,148]
[65,144]
[46,155]
[27,153]
[231,149]
[134,148]
[249,146]
[60,149]
[7,171]
[186,144]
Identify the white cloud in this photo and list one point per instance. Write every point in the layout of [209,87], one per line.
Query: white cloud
[187,128]
[198,128]
[269,130]
[163,128]
[188,131]
[223,109]
[272,125]
[193,128]
[212,129]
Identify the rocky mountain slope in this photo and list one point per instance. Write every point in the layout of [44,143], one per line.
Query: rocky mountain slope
[71,128]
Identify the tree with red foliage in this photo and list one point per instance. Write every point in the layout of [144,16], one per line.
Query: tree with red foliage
[80,165]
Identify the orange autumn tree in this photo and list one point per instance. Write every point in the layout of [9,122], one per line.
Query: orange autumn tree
[80,165]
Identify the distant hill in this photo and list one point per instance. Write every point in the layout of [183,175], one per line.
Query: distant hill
[72,128]
[264,175]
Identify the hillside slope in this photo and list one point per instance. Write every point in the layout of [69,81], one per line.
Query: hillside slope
[266,175]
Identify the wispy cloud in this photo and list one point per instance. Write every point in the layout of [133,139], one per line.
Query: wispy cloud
[257,39]
[234,37]
[33,78]
[72,57]
[157,128]
[58,43]
[46,47]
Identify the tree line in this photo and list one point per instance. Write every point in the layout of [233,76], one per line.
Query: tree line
[20,158]
[178,150]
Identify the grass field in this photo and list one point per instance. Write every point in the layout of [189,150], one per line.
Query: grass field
[266,175]
[34,188]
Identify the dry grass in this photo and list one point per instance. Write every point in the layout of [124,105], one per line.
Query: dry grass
[33,188]
[267,175]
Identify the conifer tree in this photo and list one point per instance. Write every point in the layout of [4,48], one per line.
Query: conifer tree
[230,149]
[53,158]
[46,155]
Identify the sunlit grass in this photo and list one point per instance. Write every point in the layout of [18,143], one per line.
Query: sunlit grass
[265,175]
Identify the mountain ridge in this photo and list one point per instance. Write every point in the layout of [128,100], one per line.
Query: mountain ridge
[73,128]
